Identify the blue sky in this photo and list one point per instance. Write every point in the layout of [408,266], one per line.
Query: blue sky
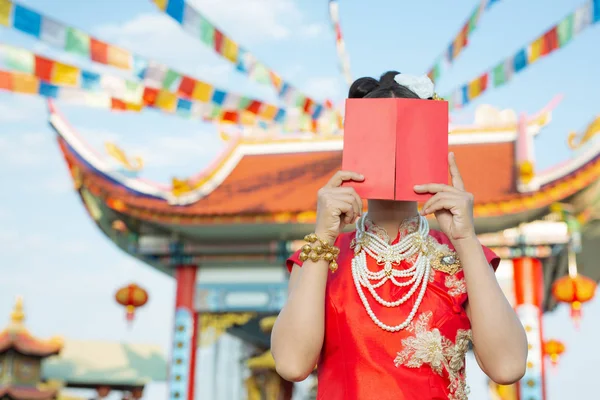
[67,270]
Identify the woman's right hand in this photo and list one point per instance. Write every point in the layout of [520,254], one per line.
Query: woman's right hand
[337,206]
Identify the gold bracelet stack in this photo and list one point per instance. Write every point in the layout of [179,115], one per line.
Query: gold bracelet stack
[316,249]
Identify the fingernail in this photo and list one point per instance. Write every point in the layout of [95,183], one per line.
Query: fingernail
[418,187]
[361,176]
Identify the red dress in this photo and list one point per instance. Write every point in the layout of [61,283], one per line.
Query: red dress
[361,361]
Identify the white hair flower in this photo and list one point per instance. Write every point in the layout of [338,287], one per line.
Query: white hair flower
[421,85]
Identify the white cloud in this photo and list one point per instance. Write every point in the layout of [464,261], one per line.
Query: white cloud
[258,20]
[323,87]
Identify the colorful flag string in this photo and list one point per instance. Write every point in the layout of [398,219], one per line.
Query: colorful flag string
[344,59]
[197,25]
[154,75]
[460,41]
[553,39]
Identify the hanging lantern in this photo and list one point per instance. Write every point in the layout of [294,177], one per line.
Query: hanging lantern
[574,290]
[553,349]
[131,297]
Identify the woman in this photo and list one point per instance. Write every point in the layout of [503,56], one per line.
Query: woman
[396,318]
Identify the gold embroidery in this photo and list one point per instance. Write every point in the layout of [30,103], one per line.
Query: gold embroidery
[428,346]
[456,286]
[442,258]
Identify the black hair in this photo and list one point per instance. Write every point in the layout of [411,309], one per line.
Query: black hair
[384,88]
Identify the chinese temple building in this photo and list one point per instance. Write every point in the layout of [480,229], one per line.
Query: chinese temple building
[21,356]
[224,234]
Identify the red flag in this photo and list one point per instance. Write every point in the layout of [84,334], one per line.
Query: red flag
[186,86]
[551,42]
[43,68]
[99,51]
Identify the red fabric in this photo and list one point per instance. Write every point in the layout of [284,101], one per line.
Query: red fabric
[43,68]
[99,51]
[357,359]
[186,86]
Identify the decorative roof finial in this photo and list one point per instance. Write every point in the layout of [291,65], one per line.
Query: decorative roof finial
[18,316]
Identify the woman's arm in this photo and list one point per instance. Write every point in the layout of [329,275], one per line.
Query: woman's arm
[499,339]
[297,336]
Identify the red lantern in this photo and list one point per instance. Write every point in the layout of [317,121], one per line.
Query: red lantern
[574,291]
[131,297]
[553,349]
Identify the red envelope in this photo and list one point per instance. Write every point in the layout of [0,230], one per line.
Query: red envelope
[396,144]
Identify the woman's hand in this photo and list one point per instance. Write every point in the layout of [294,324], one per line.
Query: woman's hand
[337,206]
[452,205]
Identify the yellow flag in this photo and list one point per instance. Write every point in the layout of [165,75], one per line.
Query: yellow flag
[474,88]
[202,92]
[166,100]
[25,83]
[162,4]
[230,50]
[119,58]
[268,111]
[247,118]
[536,50]
[5,11]
[63,74]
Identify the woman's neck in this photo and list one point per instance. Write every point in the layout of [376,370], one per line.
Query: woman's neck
[389,214]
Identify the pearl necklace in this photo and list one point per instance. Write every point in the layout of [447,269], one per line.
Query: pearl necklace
[387,255]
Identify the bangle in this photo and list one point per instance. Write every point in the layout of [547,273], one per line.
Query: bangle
[316,249]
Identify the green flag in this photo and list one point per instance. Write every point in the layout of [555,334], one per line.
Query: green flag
[169,79]
[19,59]
[207,33]
[565,30]
[77,42]
[499,75]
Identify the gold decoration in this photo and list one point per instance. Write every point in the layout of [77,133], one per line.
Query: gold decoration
[212,326]
[440,353]
[437,98]
[135,165]
[526,171]
[456,286]
[316,249]
[180,186]
[442,258]
[585,137]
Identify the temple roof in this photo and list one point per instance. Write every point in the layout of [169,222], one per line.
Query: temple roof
[17,337]
[268,181]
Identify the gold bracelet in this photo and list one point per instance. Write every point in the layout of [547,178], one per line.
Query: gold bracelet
[316,249]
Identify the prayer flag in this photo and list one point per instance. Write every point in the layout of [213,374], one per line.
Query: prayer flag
[161,4]
[244,103]
[219,38]
[27,20]
[268,112]
[247,118]
[230,117]
[5,12]
[175,9]
[18,59]
[43,68]
[535,50]
[53,33]
[280,116]
[230,50]
[6,80]
[596,11]
[184,107]
[149,96]
[499,77]
[565,30]
[254,106]
[64,74]
[231,102]
[202,92]
[90,80]
[207,32]
[78,42]
[171,80]
[191,21]
[550,41]
[218,97]
[48,90]
[520,60]
[25,83]
[98,51]
[583,17]
[118,57]
[166,100]
[186,86]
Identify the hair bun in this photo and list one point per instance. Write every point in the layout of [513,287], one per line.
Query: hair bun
[362,87]
[387,79]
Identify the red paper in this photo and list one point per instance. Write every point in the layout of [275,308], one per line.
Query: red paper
[396,144]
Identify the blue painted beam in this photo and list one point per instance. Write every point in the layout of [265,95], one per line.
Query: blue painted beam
[267,297]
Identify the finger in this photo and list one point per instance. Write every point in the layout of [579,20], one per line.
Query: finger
[447,203]
[346,210]
[357,198]
[349,198]
[342,176]
[435,188]
[457,180]
[437,197]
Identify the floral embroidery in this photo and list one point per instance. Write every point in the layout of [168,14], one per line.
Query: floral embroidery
[442,258]
[428,346]
[456,286]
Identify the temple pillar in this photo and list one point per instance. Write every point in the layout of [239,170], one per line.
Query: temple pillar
[183,356]
[529,294]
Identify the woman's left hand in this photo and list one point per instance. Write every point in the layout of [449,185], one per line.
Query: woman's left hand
[452,205]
